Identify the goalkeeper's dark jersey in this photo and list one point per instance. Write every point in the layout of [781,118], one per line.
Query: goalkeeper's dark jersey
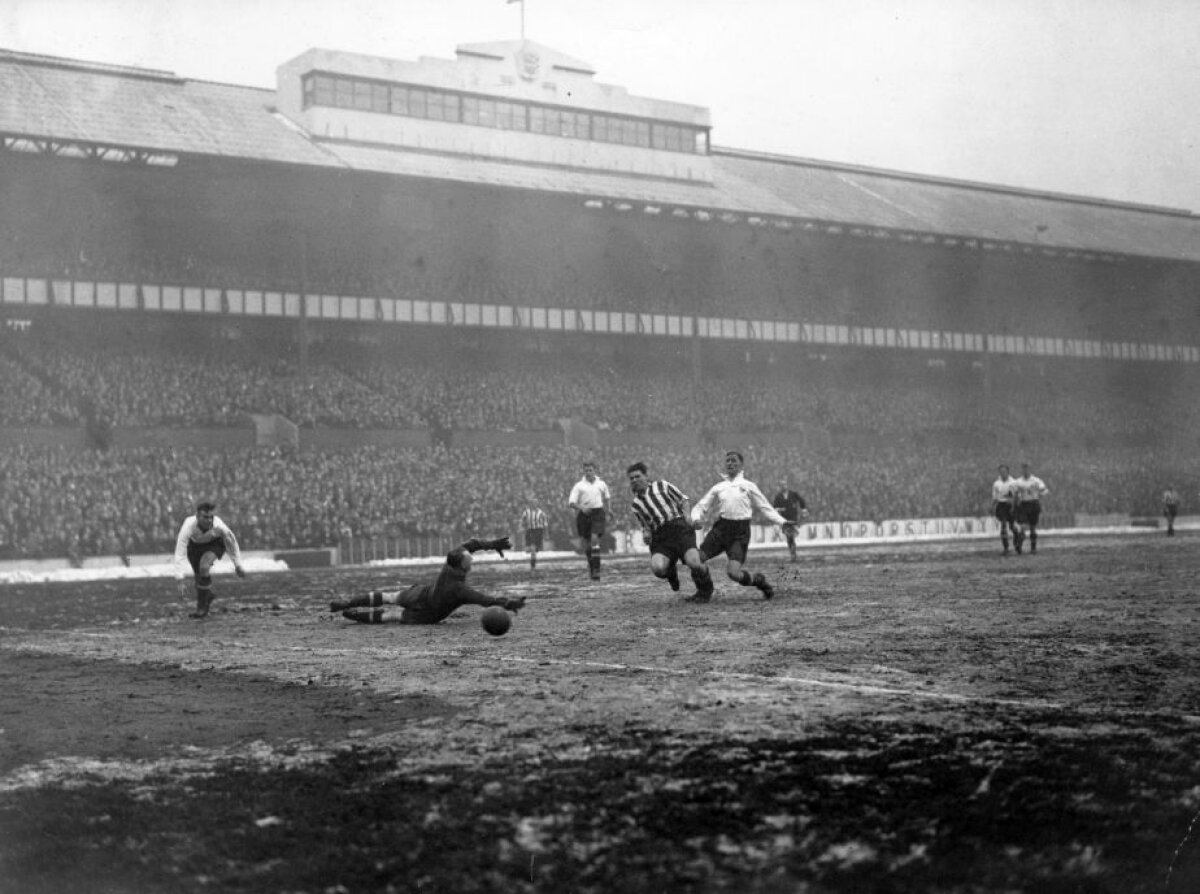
[433,603]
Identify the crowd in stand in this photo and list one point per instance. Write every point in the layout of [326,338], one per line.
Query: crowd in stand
[888,447]
[80,502]
[140,386]
[861,448]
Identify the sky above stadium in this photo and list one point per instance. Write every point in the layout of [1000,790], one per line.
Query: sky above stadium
[1090,97]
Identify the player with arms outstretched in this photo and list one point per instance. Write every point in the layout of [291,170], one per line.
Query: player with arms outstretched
[731,505]
[429,603]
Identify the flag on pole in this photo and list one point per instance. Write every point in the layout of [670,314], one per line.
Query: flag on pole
[522,2]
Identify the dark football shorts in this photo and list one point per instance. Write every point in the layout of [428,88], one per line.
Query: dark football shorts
[590,523]
[729,537]
[1029,512]
[1005,513]
[673,539]
[534,538]
[196,550]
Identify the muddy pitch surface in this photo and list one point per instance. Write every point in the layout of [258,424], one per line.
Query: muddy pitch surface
[925,719]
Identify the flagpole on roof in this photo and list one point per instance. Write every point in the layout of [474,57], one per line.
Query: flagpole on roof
[522,2]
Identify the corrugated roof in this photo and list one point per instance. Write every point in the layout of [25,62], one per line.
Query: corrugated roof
[857,196]
[155,111]
[575,181]
[112,106]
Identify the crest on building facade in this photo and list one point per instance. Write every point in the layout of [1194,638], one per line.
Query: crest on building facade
[528,64]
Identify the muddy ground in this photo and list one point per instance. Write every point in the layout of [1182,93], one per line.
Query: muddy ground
[923,718]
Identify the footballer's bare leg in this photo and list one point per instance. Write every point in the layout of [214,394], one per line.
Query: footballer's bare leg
[204,593]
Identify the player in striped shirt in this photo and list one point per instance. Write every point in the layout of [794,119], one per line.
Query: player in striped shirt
[1170,501]
[533,523]
[662,510]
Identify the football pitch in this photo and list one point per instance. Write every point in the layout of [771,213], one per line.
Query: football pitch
[925,718]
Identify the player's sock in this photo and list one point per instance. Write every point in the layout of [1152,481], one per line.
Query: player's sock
[746,579]
[672,577]
[533,562]
[761,582]
[367,600]
[204,596]
[702,578]
[1033,541]
[364,615]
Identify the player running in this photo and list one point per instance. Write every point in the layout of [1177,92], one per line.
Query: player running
[793,508]
[662,510]
[589,499]
[731,504]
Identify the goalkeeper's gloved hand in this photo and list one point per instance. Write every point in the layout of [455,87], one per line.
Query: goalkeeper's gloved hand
[513,603]
[500,544]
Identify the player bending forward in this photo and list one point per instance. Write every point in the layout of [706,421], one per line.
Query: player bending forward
[430,603]
[203,539]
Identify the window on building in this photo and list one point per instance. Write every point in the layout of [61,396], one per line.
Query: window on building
[480,111]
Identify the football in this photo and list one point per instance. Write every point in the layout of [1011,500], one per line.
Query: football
[496,620]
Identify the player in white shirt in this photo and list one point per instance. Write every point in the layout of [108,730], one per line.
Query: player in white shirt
[730,506]
[589,499]
[203,539]
[1030,490]
[1004,507]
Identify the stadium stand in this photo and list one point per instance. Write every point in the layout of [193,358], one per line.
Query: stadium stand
[176,256]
